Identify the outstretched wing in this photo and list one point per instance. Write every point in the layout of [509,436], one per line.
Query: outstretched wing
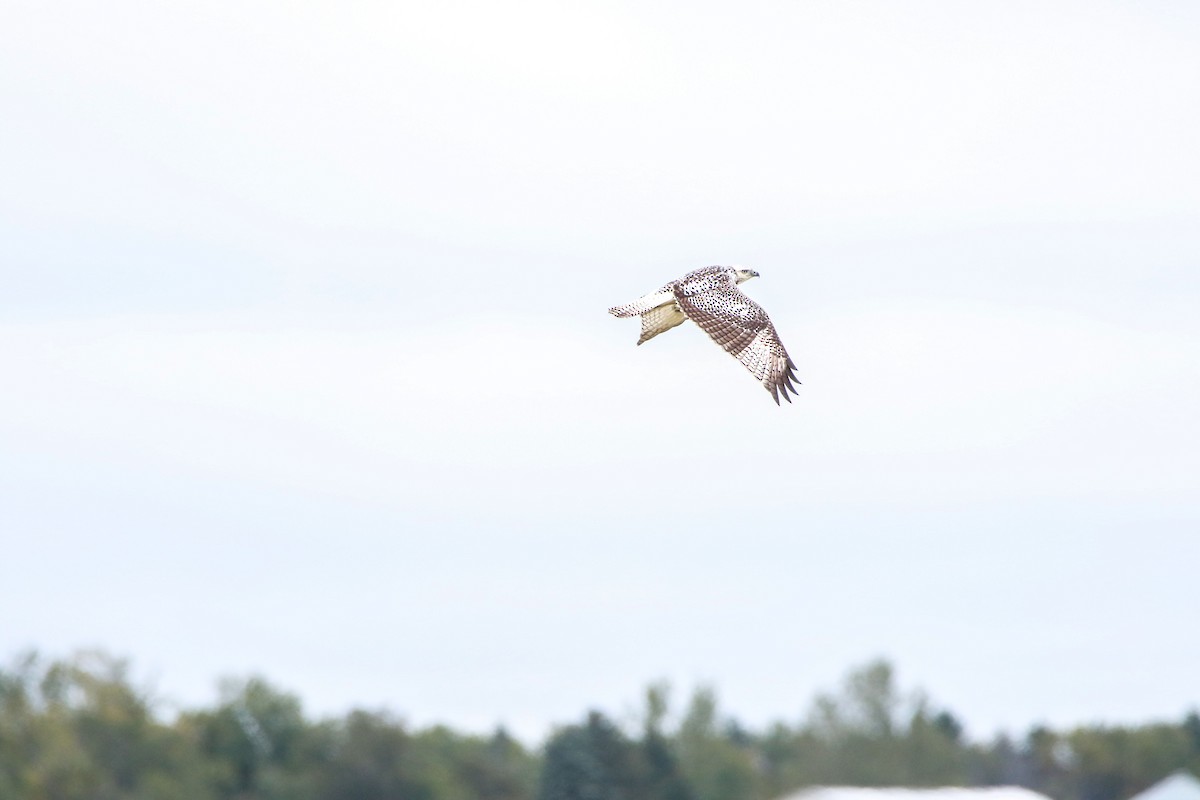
[738,324]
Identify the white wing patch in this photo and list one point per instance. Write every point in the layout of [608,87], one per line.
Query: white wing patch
[660,320]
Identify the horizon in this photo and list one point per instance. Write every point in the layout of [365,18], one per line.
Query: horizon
[629,717]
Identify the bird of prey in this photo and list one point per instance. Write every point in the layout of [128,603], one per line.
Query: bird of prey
[710,297]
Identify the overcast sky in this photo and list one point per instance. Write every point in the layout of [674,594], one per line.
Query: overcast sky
[308,372]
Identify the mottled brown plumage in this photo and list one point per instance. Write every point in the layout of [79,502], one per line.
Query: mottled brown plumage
[710,298]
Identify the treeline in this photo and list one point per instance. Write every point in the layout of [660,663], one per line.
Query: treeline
[79,728]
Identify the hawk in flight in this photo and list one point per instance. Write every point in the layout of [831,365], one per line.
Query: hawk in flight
[710,297]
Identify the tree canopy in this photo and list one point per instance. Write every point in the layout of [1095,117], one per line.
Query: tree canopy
[80,728]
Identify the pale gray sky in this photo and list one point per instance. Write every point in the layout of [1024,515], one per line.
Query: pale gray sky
[309,371]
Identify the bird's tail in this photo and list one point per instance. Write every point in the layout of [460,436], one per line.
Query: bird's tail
[644,304]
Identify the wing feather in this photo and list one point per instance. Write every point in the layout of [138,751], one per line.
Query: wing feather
[740,325]
[660,320]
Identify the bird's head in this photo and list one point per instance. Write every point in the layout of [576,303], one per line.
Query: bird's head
[741,275]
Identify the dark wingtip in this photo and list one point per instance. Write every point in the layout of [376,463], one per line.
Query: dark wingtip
[785,384]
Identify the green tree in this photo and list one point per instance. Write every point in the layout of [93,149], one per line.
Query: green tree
[1191,724]
[593,761]
[868,733]
[867,706]
[716,765]
[1048,760]
[664,779]
[859,729]
[457,767]
[254,740]
[501,769]
[363,756]
[931,750]
[1115,763]
[78,729]
[82,728]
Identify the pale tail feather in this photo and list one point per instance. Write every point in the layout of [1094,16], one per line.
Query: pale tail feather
[643,304]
